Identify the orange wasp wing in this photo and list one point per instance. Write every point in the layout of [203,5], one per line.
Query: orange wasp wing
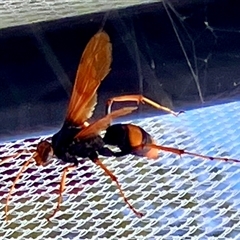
[93,68]
[102,124]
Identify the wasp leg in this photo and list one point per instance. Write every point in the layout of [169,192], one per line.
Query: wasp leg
[15,155]
[138,99]
[14,183]
[6,159]
[114,178]
[182,151]
[62,187]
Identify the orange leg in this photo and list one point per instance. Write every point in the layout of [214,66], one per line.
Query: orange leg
[14,183]
[62,187]
[181,151]
[15,155]
[114,178]
[138,99]
[6,159]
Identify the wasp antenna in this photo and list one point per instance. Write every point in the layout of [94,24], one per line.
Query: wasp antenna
[23,168]
[62,188]
[182,151]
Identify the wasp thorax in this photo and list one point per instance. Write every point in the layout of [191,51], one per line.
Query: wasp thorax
[44,153]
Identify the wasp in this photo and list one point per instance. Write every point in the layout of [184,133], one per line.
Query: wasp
[77,137]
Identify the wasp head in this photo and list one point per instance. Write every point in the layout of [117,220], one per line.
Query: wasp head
[43,153]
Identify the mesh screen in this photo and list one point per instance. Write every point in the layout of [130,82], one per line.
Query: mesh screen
[19,12]
[187,196]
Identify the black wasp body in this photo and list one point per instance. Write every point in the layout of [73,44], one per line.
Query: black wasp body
[127,137]
[68,148]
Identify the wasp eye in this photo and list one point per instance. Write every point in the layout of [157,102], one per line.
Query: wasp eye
[44,153]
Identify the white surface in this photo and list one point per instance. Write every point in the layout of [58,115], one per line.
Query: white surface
[181,197]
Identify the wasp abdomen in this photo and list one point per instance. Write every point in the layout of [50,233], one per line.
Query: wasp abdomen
[130,139]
